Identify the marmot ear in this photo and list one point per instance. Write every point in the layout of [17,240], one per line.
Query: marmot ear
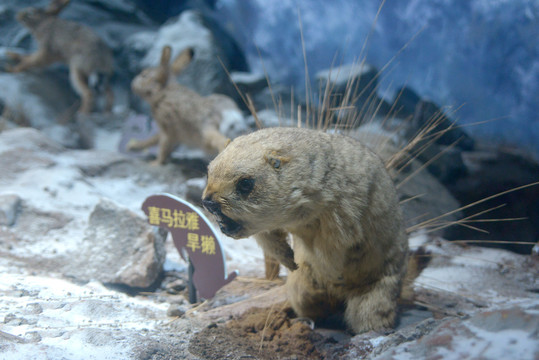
[275,160]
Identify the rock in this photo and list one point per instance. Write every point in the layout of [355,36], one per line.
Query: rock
[351,85]
[443,162]
[120,247]
[175,287]
[162,10]
[405,102]
[490,171]
[175,310]
[357,81]
[232,122]
[514,329]
[422,196]
[249,83]
[205,74]
[438,141]
[40,96]
[428,114]
[283,101]
[250,86]
[28,139]
[36,221]
[16,161]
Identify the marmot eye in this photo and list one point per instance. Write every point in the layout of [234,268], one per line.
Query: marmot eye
[245,186]
[276,163]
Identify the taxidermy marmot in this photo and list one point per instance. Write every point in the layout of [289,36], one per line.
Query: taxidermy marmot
[334,196]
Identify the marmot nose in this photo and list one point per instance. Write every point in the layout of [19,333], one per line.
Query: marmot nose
[212,206]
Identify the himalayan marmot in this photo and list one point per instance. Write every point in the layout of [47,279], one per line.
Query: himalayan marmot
[336,199]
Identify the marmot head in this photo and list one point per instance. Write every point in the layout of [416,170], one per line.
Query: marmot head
[258,182]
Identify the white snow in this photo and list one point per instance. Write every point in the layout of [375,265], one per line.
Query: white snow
[56,311]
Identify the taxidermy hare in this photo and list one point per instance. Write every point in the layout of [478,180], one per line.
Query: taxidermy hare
[182,115]
[67,42]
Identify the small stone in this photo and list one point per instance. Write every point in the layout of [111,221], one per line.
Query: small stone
[175,287]
[9,207]
[32,337]
[34,308]
[175,311]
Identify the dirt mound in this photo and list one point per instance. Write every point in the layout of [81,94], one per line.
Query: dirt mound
[263,333]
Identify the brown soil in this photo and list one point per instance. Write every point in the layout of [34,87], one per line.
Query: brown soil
[265,333]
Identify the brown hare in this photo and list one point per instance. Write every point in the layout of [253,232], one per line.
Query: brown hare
[182,115]
[67,42]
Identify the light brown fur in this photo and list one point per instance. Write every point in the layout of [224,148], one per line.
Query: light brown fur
[183,116]
[67,42]
[336,199]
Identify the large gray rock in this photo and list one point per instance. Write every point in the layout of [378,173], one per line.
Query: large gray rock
[47,192]
[120,248]
[515,332]
[422,196]
[205,74]
[352,85]
[41,96]
[491,171]
[356,80]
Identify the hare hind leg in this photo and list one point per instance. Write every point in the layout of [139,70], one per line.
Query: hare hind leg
[79,81]
[137,145]
[25,62]
[166,146]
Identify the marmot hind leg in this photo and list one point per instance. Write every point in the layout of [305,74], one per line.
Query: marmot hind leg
[375,309]
[307,298]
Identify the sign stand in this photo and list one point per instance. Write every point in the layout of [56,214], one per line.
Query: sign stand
[191,285]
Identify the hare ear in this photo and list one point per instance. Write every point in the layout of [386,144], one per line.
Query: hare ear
[56,6]
[163,69]
[276,160]
[182,60]
[165,56]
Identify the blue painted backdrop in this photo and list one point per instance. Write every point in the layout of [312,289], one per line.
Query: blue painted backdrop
[481,54]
